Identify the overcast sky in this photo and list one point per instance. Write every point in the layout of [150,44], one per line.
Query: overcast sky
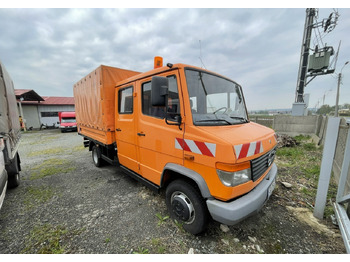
[48,50]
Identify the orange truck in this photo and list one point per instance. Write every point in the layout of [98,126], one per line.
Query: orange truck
[181,129]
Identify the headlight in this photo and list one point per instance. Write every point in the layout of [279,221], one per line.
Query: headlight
[234,175]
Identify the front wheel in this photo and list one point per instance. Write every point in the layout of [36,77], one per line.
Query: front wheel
[185,204]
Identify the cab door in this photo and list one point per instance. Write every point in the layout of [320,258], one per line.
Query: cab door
[125,128]
[156,139]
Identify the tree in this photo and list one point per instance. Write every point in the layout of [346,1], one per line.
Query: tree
[325,109]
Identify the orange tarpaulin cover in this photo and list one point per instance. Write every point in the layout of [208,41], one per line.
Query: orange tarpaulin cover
[95,102]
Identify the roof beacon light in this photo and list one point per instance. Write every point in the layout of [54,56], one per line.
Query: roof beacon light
[158,62]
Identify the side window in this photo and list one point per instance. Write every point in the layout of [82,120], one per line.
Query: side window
[159,112]
[173,98]
[125,101]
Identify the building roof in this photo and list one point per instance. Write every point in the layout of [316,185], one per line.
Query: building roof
[57,100]
[27,95]
[30,97]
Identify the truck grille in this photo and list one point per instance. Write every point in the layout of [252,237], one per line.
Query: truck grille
[261,164]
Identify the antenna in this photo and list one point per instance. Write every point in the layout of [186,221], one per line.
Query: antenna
[200,54]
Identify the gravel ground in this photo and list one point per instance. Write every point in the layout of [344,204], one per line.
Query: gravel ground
[67,205]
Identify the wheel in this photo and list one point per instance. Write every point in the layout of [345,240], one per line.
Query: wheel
[96,156]
[185,204]
[14,180]
[13,173]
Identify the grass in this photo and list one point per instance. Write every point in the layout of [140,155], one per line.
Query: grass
[51,167]
[161,218]
[141,250]
[37,195]
[48,239]
[300,166]
[56,151]
[50,151]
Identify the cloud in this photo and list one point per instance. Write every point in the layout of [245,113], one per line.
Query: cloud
[48,50]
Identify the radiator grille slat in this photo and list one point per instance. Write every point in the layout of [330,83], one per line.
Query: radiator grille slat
[262,163]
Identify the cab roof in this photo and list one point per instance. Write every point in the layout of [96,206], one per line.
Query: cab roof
[163,69]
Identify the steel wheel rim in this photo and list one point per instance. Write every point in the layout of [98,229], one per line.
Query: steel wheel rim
[178,197]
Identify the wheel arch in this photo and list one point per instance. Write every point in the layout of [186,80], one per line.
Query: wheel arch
[173,171]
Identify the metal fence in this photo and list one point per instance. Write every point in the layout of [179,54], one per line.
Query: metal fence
[336,159]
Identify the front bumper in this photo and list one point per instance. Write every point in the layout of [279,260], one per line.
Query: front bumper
[68,128]
[230,213]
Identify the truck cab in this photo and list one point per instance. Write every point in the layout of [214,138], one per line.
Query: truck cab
[67,121]
[187,129]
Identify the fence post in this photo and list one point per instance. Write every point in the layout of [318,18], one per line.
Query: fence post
[326,166]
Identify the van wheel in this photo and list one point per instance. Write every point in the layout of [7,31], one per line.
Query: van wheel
[185,204]
[14,180]
[96,153]
[13,173]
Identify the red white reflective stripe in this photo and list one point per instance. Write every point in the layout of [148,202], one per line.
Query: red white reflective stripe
[248,149]
[202,148]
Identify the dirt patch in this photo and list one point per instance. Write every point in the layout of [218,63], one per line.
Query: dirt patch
[74,207]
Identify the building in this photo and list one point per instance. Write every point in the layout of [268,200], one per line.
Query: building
[41,111]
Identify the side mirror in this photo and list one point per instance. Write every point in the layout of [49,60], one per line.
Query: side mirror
[159,94]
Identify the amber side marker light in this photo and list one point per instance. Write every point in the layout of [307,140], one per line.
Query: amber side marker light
[158,62]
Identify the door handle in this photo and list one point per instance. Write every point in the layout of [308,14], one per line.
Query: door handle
[141,134]
[118,130]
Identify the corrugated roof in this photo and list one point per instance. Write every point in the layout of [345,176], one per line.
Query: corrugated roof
[57,100]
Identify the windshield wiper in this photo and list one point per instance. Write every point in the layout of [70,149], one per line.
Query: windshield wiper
[213,120]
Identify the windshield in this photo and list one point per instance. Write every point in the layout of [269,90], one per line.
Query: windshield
[68,120]
[215,100]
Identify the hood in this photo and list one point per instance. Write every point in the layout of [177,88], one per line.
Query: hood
[248,140]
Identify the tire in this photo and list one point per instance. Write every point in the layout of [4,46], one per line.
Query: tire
[14,180]
[96,156]
[13,173]
[185,204]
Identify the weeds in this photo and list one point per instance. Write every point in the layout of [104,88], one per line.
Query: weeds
[161,219]
[50,151]
[51,167]
[37,195]
[301,166]
[48,239]
[141,250]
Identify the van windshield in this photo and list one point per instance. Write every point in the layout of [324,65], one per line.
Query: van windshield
[215,101]
[68,120]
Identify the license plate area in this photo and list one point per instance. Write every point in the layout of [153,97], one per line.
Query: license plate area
[271,188]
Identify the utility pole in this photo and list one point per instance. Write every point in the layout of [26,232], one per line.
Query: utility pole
[337,98]
[315,64]
[309,21]
[338,90]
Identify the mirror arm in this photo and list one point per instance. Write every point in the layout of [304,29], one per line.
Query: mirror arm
[178,122]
